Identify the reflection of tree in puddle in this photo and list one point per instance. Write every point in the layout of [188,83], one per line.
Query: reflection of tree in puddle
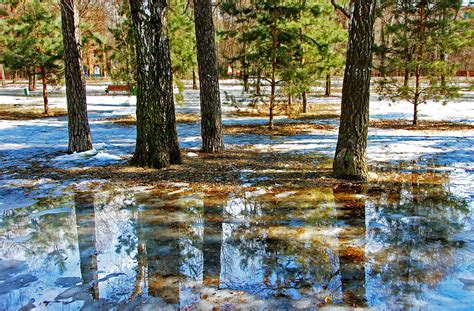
[86,237]
[376,245]
[410,237]
[275,249]
[43,232]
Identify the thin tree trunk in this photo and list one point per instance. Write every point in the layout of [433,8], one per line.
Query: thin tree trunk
[195,85]
[273,82]
[211,119]
[304,95]
[30,82]
[2,73]
[45,92]
[157,139]
[350,158]
[421,15]
[33,81]
[328,85]
[246,69]
[104,63]
[258,83]
[78,124]
[290,103]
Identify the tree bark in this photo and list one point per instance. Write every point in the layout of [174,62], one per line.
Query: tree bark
[78,124]
[157,139]
[328,85]
[195,85]
[2,73]
[350,158]
[304,95]
[274,64]
[258,83]
[45,92]
[290,103]
[421,16]
[211,119]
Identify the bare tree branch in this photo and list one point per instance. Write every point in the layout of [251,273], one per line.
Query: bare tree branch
[340,9]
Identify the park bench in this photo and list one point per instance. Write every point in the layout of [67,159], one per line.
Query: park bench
[117,88]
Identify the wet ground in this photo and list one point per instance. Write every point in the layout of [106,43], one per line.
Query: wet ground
[278,233]
[405,242]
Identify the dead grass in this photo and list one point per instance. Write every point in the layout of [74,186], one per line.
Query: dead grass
[12,112]
[131,120]
[279,129]
[421,126]
[315,111]
[205,171]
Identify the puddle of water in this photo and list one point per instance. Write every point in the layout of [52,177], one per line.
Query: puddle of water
[403,243]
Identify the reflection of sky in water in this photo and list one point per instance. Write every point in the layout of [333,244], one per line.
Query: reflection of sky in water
[378,246]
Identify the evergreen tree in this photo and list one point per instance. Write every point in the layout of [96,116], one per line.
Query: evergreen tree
[32,40]
[350,159]
[78,123]
[288,43]
[157,139]
[422,36]
[123,50]
[182,43]
[211,123]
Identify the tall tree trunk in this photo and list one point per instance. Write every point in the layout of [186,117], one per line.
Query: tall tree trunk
[258,83]
[2,73]
[274,63]
[104,63]
[245,69]
[421,16]
[211,120]
[78,124]
[32,86]
[304,95]
[157,139]
[195,85]
[301,31]
[327,92]
[350,158]
[290,103]
[45,92]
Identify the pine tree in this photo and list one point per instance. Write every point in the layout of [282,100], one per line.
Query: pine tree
[123,49]
[288,43]
[32,40]
[182,44]
[157,139]
[422,36]
[78,124]
[211,123]
[350,158]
